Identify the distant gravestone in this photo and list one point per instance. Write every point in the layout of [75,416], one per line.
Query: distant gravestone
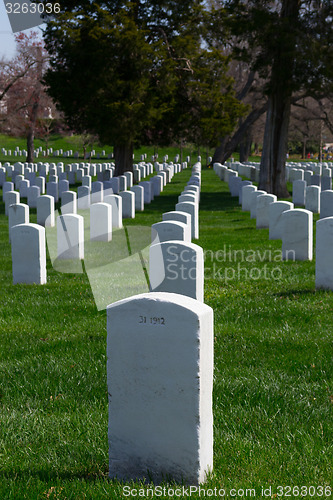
[33,195]
[128,198]
[17,214]
[177,267]
[122,183]
[246,197]
[326,183]
[160,380]
[299,192]
[11,198]
[312,200]
[324,254]
[83,197]
[52,190]
[45,211]
[192,209]
[70,236]
[28,254]
[263,203]
[97,192]
[139,197]
[40,182]
[68,202]
[147,186]
[326,204]
[297,236]
[253,202]
[101,222]
[116,203]
[275,218]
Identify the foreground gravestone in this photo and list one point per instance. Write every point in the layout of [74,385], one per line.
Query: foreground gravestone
[100,222]
[177,267]
[70,236]
[297,235]
[160,380]
[28,254]
[324,254]
[275,220]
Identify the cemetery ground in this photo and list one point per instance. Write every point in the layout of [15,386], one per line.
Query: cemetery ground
[273,378]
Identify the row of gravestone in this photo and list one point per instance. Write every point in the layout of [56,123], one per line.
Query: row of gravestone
[110,211]
[293,226]
[316,198]
[160,358]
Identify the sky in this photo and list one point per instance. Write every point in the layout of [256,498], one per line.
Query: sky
[7,39]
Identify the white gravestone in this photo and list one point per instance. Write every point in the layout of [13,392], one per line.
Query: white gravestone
[297,235]
[122,183]
[28,254]
[70,236]
[324,254]
[160,381]
[17,214]
[33,195]
[177,267]
[312,200]
[116,203]
[68,202]
[45,211]
[169,230]
[183,217]
[187,197]
[11,198]
[246,197]
[326,204]
[147,186]
[40,182]
[83,197]
[275,218]
[128,198]
[129,178]
[52,190]
[263,203]
[101,222]
[193,210]
[299,192]
[139,197]
[7,186]
[253,203]
[97,192]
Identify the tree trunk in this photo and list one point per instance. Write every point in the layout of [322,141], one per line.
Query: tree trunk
[273,159]
[123,156]
[30,145]
[245,146]
[272,167]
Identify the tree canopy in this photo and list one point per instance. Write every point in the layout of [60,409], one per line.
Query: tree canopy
[138,71]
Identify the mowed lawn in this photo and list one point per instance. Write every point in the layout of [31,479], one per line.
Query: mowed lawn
[273,379]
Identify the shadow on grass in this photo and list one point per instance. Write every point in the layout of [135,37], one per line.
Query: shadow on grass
[217,201]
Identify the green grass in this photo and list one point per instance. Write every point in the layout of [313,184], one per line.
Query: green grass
[273,385]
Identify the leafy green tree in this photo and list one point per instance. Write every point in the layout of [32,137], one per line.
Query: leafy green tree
[138,72]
